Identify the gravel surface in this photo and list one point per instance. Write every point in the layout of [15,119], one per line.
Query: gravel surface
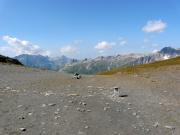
[39,102]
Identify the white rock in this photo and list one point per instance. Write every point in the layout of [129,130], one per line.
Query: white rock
[43,105]
[170,127]
[23,129]
[156,124]
[86,127]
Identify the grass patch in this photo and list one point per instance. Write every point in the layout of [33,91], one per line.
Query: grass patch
[143,67]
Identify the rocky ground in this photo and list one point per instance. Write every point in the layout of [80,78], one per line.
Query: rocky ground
[39,102]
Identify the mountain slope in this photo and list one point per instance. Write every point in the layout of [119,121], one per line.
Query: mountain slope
[140,68]
[43,62]
[101,64]
[92,66]
[4,59]
[36,61]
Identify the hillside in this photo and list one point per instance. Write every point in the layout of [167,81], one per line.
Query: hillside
[139,68]
[92,66]
[8,60]
[43,62]
[108,63]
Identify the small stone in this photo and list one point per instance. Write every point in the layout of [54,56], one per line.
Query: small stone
[23,129]
[19,106]
[70,101]
[160,103]
[83,103]
[134,114]
[129,104]
[156,124]
[88,110]
[56,113]
[43,105]
[74,94]
[170,127]
[30,113]
[57,117]
[106,108]
[22,118]
[78,109]
[43,123]
[147,130]
[86,127]
[51,104]
[65,106]
[58,109]
[8,88]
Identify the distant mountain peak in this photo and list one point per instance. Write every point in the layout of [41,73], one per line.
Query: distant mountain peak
[168,50]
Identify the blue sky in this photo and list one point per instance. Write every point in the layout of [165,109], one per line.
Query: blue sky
[88,28]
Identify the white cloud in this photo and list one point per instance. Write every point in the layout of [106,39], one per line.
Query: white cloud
[103,45]
[154,26]
[17,47]
[68,50]
[101,51]
[155,51]
[123,42]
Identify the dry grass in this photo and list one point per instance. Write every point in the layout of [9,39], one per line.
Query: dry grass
[143,67]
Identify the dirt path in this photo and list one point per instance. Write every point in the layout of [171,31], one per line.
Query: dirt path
[36,102]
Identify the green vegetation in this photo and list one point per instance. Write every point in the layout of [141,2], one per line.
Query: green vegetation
[140,68]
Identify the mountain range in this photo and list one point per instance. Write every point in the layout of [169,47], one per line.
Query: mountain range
[99,64]
[43,62]
[93,66]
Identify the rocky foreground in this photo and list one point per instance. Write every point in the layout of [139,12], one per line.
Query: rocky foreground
[39,102]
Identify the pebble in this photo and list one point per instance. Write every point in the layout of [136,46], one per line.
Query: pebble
[134,114]
[156,124]
[147,130]
[30,113]
[70,101]
[43,105]
[80,109]
[170,127]
[57,117]
[88,110]
[49,93]
[22,118]
[51,104]
[106,108]
[43,123]
[23,129]
[19,106]
[58,109]
[86,127]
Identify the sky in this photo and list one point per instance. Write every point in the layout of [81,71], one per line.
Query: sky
[88,28]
